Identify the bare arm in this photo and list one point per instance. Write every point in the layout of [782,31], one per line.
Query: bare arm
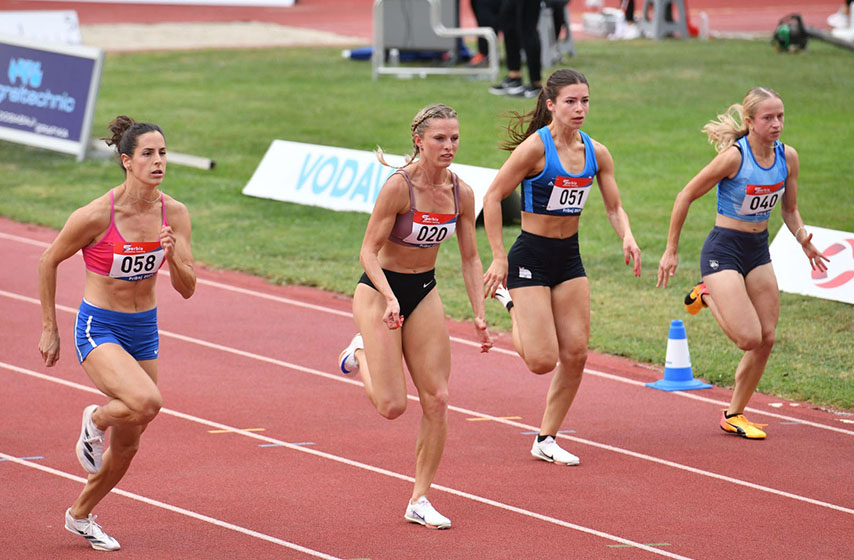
[792,217]
[81,228]
[175,240]
[525,159]
[725,164]
[392,200]
[614,207]
[472,268]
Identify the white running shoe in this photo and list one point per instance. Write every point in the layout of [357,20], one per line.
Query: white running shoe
[422,512]
[90,446]
[91,531]
[502,294]
[549,450]
[347,359]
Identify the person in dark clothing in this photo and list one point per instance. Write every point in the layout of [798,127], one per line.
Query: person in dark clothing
[518,21]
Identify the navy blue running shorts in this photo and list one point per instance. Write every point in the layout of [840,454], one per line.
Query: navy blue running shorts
[730,249]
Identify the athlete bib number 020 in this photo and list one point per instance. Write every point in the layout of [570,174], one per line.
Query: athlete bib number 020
[759,199]
[136,261]
[429,229]
[569,194]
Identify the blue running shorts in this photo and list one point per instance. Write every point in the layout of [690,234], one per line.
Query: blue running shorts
[730,249]
[135,332]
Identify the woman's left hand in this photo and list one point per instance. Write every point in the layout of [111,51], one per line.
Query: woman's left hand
[167,241]
[483,335]
[632,252]
[814,255]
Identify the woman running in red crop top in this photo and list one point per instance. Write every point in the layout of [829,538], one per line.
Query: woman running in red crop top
[125,236]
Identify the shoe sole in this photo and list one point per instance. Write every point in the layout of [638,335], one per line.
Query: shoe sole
[81,445]
[425,524]
[548,459]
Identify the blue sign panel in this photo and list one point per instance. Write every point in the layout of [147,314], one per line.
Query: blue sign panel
[47,96]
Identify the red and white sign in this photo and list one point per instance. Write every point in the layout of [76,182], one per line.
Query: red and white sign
[795,275]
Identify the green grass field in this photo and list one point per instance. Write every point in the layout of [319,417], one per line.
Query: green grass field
[648,103]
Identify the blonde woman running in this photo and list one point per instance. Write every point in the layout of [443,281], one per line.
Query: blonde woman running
[754,172]
[396,305]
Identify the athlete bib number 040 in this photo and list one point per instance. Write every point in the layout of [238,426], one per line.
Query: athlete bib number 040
[569,194]
[136,261]
[759,199]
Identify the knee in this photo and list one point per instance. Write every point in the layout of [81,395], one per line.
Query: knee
[749,341]
[574,359]
[542,363]
[147,407]
[391,408]
[435,405]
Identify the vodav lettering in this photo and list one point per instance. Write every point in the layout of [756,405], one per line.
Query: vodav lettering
[342,178]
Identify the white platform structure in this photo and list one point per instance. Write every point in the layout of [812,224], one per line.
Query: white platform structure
[654,24]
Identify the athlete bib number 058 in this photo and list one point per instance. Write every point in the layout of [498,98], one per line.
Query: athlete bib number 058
[759,199]
[136,261]
[569,194]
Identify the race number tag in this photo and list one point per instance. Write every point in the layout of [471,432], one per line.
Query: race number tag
[569,194]
[761,198]
[136,261]
[429,229]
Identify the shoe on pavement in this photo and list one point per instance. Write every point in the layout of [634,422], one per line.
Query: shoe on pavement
[422,512]
[549,450]
[740,425]
[694,299]
[90,446]
[508,86]
[91,531]
[347,359]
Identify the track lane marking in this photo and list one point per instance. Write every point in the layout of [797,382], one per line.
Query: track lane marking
[465,342]
[464,411]
[175,509]
[323,455]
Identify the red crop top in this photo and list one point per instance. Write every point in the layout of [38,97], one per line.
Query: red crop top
[114,257]
[424,229]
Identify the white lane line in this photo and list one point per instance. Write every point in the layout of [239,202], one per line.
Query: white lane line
[461,410]
[176,509]
[329,310]
[338,459]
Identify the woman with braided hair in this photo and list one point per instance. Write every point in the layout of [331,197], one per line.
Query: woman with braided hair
[125,236]
[754,172]
[396,305]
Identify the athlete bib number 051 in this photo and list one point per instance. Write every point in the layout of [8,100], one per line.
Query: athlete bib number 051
[136,261]
[569,194]
[761,198]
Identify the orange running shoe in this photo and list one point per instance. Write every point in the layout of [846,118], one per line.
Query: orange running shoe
[694,300]
[740,425]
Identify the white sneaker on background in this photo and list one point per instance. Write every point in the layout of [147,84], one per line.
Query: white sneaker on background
[422,512]
[549,450]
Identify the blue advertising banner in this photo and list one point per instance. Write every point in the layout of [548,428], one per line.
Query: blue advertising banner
[48,93]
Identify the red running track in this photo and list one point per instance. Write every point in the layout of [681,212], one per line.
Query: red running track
[324,476]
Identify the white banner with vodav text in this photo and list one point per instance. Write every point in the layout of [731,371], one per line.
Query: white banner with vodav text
[795,275]
[338,178]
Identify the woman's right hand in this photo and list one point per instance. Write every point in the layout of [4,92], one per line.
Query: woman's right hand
[667,267]
[49,347]
[392,317]
[495,275]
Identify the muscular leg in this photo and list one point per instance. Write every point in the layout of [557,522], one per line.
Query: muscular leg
[381,361]
[135,401]
[571,302]
[534,334]
[748,310]
[427,350]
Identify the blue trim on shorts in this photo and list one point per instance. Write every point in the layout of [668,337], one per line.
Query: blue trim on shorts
[135,332]
[731,249]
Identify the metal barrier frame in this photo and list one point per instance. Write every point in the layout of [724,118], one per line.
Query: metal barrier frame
[378,53]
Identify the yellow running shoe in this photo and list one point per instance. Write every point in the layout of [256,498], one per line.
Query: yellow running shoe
[694,300]
[740,425]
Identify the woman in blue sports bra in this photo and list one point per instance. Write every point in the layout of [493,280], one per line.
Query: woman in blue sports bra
[556,163]
[125,235]
[754,172]
[396,305]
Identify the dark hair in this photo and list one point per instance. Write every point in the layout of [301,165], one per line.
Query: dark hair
[125,132]
[523,125]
